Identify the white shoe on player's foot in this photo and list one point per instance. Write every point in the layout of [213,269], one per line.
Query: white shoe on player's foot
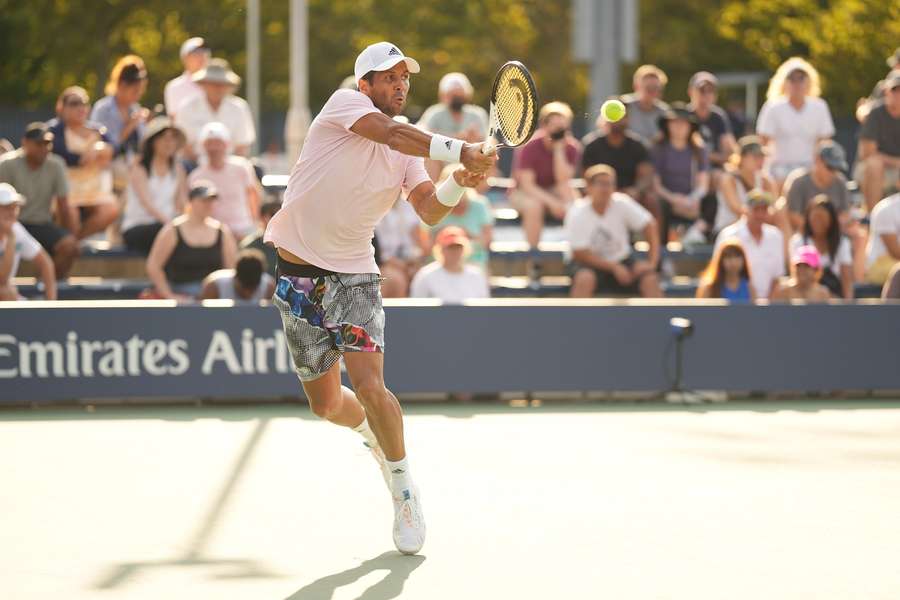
[378,455]
[409,523]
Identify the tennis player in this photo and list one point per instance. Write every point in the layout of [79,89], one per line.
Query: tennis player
[354,163]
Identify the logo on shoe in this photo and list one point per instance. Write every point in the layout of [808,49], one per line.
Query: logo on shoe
[397,471]
[406,494]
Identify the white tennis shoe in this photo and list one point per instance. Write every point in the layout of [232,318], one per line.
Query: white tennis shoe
[409,523]
[378,455]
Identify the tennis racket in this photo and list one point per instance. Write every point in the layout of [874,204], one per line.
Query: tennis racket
[514,108]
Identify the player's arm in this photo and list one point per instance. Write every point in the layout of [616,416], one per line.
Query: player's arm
[412,141]
[432,203]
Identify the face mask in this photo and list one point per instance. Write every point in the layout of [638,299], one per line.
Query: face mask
[456,103]
[558,135]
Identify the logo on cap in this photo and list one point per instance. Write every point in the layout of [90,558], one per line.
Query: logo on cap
[394,52]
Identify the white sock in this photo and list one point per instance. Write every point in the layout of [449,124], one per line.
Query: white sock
[366,432]
[400,479]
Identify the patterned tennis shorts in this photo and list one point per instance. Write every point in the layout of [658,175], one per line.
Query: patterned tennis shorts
[326,315]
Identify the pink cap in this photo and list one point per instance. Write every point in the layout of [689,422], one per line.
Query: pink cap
[807,255]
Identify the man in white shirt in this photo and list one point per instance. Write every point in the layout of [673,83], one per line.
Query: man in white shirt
[763,243]
[450,279]
[599,229]
[217,103]
[15,244]
[883,251]
[194,56]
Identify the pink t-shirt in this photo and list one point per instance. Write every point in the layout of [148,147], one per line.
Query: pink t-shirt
[232,182]
[341,186]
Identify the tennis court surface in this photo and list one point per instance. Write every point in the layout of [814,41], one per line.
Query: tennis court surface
[774,500]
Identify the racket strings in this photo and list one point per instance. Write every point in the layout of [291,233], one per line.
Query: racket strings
[516,106]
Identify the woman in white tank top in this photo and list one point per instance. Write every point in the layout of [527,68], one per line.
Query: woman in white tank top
[157,186]
[743,174]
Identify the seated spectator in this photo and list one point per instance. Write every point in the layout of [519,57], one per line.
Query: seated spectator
[728,275]
[255,240]
[399,252]
[157,189]
[450,279]
[822,230]
[865,105]
[543,170]
[122,115]
[599,229]
[217,104]
[645,105]
[233,176]
[823,178]
[473,214]
[715,127]
[804,283]
[15,244]
[41,178]
[246,283]
[194,55]
[793,118]
[763,243]
[454,115]
[87,150]
[744,172]
[612,144]
[190,247]
[682,173]
[883,250]
[878,168]
[891,289]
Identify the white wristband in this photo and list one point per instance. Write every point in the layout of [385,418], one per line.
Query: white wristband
[449,192]
[445,148]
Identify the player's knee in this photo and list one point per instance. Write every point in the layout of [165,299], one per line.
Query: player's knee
[371,392]
[325,407]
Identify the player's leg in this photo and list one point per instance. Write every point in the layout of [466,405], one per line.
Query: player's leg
[333,402]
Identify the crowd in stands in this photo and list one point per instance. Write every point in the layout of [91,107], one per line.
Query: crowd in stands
[781,212]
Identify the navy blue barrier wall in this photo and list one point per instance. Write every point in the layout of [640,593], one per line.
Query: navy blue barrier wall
[57,351]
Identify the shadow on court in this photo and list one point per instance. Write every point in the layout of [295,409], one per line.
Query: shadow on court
[226,568]
[397,565]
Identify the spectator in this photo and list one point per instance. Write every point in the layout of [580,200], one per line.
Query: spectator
[255,240]
[763,243]
[599,229]
[217,103]
[645,105]
[715,127]
[891,289]
[793,118]
[728,275]
[543,170]
[233,177]
[190,247]
[612,144]
[247,283]
[450,279]
[399,254]
[157,189]
[737,117]
[194,56]
[473,215]
[87,150]
[744,172]
[454,115]
[804,284]
[822,229]
[878,168]
[865,105]
[121,114]
[682,172]
[883,250]
[41,178]
[15,244]
[824,178]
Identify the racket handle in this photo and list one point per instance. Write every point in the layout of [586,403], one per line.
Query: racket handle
[490,147]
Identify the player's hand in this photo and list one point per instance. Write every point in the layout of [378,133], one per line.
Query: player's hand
[467,178]
[474,160]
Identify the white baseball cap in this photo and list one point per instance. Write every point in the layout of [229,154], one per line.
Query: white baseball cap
[381,57]
[9,195]
[455,80]
[191,45]
[215,131]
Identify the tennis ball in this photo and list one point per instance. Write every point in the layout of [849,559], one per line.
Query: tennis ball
[612,110]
